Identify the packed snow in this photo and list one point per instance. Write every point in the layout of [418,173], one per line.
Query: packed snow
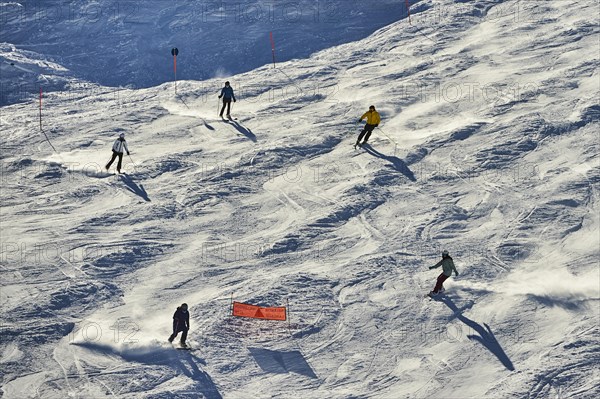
[488,148]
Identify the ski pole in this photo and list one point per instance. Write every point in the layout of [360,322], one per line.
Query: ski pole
[183,101]
[131,159]
[218,103]
[356,124]
[391,139]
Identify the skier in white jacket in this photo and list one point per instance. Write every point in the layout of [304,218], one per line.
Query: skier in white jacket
[117,150]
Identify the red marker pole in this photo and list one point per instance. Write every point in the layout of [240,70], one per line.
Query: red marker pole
[40,108]
[272,47]
[408,11]
[174,53]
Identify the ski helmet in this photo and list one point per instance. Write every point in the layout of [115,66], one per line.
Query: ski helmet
[122,135]
[372,107]
[445,253]
[184,306]
[227,83]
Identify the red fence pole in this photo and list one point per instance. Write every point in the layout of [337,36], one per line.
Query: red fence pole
[174,53]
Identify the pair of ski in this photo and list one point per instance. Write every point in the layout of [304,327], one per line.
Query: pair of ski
[361,145]
[106,174]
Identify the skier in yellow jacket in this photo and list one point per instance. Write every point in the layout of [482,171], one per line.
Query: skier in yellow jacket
[373,120]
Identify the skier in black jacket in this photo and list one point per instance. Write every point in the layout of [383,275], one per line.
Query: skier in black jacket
[181,323]
[227,94]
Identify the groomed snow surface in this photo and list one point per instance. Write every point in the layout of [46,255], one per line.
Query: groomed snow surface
[488,147]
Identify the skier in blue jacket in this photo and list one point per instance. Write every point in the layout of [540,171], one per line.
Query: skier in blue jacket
[227,94]
[181,323]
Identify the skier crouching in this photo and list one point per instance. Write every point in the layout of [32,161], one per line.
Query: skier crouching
[181,323]
[447,266]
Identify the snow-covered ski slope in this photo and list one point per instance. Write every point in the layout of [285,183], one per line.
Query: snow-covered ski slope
[488,148]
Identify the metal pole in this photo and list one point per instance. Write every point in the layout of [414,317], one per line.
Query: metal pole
[175,66]
[41,108]
[272,47]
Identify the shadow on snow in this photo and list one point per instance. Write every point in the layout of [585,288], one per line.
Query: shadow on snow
[396,162]
[206,125]
[485,335]
[135,188]
[243,130]
[183,362]
[282,362]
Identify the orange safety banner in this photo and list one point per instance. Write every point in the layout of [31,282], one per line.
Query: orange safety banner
[257,312]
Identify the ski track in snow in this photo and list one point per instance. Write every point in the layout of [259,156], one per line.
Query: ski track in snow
[277,208]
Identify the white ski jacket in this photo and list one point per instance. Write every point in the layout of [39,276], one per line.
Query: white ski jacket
[119,145]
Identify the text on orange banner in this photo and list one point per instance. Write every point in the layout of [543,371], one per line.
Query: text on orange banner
[257,312]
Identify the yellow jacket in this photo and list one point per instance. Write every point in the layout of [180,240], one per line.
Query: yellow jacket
[372,117]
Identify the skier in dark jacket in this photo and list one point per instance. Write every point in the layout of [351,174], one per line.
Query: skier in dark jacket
[117,150]
[227,94]
[181,323]
[448,267]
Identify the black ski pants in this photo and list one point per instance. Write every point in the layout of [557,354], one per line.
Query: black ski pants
[114,156]
[226,102]
[368,129]
[177,328]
